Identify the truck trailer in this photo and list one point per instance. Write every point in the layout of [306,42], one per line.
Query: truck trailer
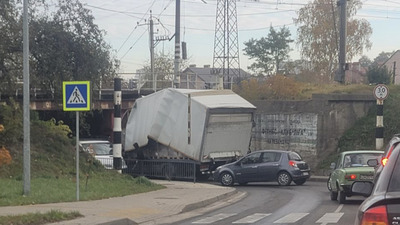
[180,133]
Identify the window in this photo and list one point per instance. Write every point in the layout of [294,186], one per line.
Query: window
[271,157]
[294,156]
[253,158]
[394,184]
[359,160]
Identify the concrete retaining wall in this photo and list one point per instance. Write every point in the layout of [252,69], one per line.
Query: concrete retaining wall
[312,127]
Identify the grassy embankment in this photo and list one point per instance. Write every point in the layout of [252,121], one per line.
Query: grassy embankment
[53,170]
[362,134]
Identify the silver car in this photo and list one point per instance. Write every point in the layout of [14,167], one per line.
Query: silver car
[100,150]
[265,165]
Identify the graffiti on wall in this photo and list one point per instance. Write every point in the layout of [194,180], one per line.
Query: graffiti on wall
[286,131]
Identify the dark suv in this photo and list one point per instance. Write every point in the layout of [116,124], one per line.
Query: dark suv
[265,165]
[388,152]
[383,204]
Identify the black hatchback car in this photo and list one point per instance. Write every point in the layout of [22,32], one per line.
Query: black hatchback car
[265,165]
[383,204]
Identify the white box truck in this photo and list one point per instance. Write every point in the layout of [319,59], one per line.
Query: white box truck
[205,128]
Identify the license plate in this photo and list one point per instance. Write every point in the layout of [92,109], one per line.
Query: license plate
[366,177]
[305,173]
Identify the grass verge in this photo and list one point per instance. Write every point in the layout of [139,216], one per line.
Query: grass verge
[96,186]
[39,218]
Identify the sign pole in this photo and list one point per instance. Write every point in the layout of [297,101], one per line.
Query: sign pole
[381,92]
[77,155]
[76,97]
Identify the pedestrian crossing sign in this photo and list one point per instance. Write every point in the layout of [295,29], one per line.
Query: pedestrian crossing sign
[76,95]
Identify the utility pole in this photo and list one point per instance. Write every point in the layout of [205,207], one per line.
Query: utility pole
[153,42]
[152,54]
[340,73]
[26,113]
[394,72]
[176,78]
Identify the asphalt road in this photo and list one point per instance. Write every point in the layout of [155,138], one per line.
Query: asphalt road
[268,203]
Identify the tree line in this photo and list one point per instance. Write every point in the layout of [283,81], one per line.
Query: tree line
[65,44]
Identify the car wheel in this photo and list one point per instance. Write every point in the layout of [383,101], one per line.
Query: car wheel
[329,185]
[341,197]
[284,179]
[226,179]
[299,182]
[333,195]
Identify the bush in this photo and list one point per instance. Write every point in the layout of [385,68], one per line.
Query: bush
[5,157]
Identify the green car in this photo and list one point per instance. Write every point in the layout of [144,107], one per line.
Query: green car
[350,166]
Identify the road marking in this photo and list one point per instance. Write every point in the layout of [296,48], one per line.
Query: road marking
[214,218]
[291,218]
[253,218]
[330,218]
[339,208]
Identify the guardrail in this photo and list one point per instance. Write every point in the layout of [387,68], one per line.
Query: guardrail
[168,169]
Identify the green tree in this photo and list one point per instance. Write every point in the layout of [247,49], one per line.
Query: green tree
[378,75]
[269,52]
[382,58]
[365,61]
[318,34]
[163,70]
[69,46]
[65,44]
[10,46]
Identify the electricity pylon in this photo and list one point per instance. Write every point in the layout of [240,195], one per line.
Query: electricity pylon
[226,44]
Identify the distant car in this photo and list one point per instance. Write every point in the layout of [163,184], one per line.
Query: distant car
[265,165]
[350,166]
[383,205]
[100,150]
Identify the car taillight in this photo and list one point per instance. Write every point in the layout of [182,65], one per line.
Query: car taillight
[384,161]
[293,163]
[351,177]
[375,216]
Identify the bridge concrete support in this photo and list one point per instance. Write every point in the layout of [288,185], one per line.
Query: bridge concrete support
[311,127]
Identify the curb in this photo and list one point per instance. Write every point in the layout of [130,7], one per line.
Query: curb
[207,202]
[319,178]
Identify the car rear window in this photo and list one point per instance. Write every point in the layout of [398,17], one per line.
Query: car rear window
[294,156]
[98,148]
[359,159]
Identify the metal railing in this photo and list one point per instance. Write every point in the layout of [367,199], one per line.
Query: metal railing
[162,168]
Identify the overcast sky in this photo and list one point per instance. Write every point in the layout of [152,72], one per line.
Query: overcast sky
[126,26]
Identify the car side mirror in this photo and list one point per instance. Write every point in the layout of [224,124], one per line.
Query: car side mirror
[362,188]
[372,162]
[333,165]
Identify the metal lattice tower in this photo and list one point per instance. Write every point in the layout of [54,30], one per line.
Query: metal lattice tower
[226,43]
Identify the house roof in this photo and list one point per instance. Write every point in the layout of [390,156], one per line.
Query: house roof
[205,73]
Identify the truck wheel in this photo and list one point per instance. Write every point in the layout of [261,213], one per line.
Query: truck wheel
[284,179]
[226,179]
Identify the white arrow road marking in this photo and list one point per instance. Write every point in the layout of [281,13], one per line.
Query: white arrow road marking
[331,217]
